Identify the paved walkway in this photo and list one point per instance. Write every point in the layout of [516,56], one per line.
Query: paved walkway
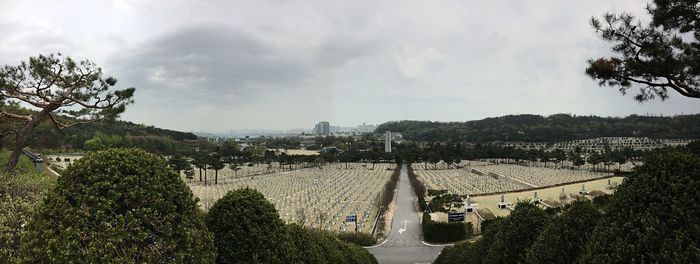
[403,245]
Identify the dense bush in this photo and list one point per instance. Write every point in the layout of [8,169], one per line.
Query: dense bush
[472,252]
[418,188]
[445,232]
[656,217]
[20,194]
[652,218]
[360,239]
[387,197]
[314,246]
[564,239]
[247,229]
[504,240]
[117,206]
[517,233]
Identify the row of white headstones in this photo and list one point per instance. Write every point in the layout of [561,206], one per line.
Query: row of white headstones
[318,198]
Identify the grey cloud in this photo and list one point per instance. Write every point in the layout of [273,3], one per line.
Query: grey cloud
[338,51]
[227,63]
[222,61]
[21,41]
[280,64]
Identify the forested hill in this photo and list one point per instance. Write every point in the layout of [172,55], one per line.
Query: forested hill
[99,135]
[554,128]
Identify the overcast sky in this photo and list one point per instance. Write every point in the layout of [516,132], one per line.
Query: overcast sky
[222,65]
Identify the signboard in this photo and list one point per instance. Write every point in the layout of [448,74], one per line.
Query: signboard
[455,217]
[351,218]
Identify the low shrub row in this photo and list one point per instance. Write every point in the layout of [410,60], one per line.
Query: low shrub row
[440,232]
[418,188]
[360,239]
[387,198]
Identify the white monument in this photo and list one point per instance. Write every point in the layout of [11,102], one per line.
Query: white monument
[562,195]
[502,204]
[387,141]
[469,207]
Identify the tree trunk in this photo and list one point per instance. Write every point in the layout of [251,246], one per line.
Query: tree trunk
[216,177]
[22,138]
[2,140]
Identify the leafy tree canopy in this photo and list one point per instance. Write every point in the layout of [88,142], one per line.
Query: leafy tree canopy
[55,85]
[247,229]
[656,56]
[554,128]
[116,206]
[654,215]
[314,246]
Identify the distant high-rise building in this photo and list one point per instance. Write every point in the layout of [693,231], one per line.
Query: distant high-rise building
[365,128]
[323,128]
[387,141]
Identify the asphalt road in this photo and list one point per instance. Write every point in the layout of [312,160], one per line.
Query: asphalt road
[403,245]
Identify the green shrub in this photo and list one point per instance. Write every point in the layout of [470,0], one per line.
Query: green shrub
[247,229]
[472,252]
[20,194]
[387,197]
[516,234]
[564,239]
[314,246]
[653,216]
[433,192]
[504,239]
[116,206]
[360,239]
[418,188]
[438,232]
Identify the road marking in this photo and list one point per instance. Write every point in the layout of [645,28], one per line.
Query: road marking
[376,246]
[432,245]
[401,230]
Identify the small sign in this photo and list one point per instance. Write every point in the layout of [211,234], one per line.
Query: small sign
[351,218]
[455,217]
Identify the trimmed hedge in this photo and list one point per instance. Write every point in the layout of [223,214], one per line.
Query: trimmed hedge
[247,228]
[118,206]
[387,198]
[316,246]
[361,239]
[418,188]
[445,232]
